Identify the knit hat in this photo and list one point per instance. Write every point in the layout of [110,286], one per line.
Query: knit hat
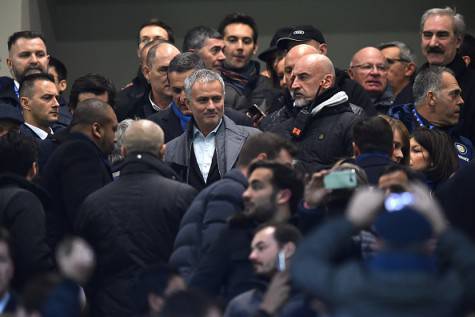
[400,224]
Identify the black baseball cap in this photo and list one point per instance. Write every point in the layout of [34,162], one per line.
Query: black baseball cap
[301,33]
[9,112]
[280,33]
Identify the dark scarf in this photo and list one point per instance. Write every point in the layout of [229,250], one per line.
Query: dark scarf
[244,80]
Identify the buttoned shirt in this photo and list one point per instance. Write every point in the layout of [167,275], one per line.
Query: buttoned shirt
[204,147]
[155,106]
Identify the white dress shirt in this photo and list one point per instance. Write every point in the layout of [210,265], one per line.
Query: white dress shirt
[204,147]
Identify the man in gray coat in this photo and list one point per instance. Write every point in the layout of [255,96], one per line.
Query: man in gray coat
[210,145]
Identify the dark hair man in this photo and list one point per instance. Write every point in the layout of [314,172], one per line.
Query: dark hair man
[206,218]
[369,68]
[272,195]
[58,70]
[401,70]
[309,35]
[244,84]
[198,154]
[320,119]
[134,91]
[155,284]
[38,99]
[438,105]
[27,54]
[373,147]
[22,207]
[107,211]
[91,86]
[79,165]
[272,249]
[442,33]
[208,44]
[405,225]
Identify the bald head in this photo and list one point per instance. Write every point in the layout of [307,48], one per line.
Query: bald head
[293,55]
[312,75]
[161,51]
[143,136]
[368,67]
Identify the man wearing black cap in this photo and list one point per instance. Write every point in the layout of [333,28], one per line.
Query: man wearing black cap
[245,86]
[10,119]
[308,34]
[402,278]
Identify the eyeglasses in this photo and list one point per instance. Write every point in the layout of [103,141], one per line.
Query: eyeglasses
[369,67]
[391,61]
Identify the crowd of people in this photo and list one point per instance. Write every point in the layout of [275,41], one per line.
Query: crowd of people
[216,185]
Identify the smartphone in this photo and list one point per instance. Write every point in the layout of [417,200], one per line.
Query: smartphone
[280,265]
[255,111]
[340,180]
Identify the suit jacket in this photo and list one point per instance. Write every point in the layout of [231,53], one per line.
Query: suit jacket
[75,169]
[229,141]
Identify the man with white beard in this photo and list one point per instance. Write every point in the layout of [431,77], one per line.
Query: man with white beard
[320,120]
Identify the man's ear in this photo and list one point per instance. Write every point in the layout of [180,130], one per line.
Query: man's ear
[289,249]
[350,73]
[283,196]
[162,150]
[431,95]
[9,64]
[254,51]
[96,130]
[323,48]
[410,69]
[25,103]
[467,60]
[146,72]
[32,172]
[63,85]
[327,81]
[155,303]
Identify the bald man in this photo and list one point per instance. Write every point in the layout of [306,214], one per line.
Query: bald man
[133,221]
[320,119]
[158,97]
[369,68]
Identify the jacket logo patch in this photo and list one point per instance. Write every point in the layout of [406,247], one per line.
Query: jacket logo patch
[462,149]
[299,32]
[321,136]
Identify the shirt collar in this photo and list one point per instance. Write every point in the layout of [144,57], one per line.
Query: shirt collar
[39,132]
[197,131]
[154,105]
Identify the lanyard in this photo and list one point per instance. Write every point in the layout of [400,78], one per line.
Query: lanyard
[419,120]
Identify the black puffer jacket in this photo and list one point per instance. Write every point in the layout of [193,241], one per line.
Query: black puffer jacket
[326,134]
[131,224]
[206,219]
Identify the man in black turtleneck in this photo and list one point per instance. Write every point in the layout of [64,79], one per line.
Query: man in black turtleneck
[441,36]
[244,84]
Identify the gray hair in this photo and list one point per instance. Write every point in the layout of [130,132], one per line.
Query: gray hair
[196,37]
[459,22]
[428,79]
[202,76]
[116,155]
[405,53]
